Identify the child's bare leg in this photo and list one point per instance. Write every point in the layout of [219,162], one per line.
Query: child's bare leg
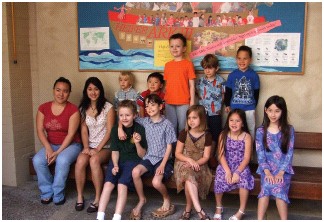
[218,198]
[121,198]
[137,172]
[157,184]
[188,201]
[262,207]
[193,192]
[105,197]
[244,196]
[282,209]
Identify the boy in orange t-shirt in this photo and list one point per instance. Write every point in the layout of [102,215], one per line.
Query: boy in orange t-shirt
[179,75]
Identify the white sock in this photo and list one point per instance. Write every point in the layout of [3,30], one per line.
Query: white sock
[100,215]
[116,217]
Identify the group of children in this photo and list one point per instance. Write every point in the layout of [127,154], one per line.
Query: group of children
[142,144]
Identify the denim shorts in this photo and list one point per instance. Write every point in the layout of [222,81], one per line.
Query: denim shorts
[124,176]
[168,169]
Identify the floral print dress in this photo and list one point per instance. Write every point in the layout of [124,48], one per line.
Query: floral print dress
[275,161]
[234,155]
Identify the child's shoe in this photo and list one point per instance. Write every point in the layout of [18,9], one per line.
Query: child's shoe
[116,217]
[100,216]
[218,216]
[235,218]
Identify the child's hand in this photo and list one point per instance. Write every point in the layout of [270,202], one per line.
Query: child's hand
[137,137]
[279,177]
[194,165]
[235,178]
[187,165]
[269,178]
[159,170]
[121,134]
[228,177]
[227,109]
[115,170]
[192,102]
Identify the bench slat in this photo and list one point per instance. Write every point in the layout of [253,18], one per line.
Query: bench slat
[311,141]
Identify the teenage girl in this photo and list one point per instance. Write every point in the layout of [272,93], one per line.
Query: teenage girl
[233,172]
[191,166]
[97,120]
[275,154]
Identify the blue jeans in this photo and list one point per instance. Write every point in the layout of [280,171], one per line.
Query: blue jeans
[176,114]
[54,186]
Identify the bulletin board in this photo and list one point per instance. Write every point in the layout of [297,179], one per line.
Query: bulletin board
[134,36]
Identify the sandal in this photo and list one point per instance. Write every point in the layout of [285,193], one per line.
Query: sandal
[92,208]
[218,216]
[185,215]
[132,216]
[159,213]
[47,201]
[235,218]
[79,206]
[203,215]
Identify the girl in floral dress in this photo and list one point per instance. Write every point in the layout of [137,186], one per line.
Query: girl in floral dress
[191,166]
[233,172]
[275,154]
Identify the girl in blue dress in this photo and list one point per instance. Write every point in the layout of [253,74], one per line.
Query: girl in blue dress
[274,146]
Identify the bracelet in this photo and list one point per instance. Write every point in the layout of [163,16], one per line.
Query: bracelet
[237,172]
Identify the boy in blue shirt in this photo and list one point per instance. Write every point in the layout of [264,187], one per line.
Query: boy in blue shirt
[242,87]
[210,89]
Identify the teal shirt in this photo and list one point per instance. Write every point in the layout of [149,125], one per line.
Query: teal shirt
[127,149]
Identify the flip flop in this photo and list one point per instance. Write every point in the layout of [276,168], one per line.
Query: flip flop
[158,213]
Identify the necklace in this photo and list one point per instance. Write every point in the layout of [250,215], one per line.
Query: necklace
[93,109]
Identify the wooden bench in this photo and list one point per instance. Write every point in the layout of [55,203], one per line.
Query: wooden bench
[305,184]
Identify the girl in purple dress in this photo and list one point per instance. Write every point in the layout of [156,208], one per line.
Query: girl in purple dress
[275,153]
[233,172]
